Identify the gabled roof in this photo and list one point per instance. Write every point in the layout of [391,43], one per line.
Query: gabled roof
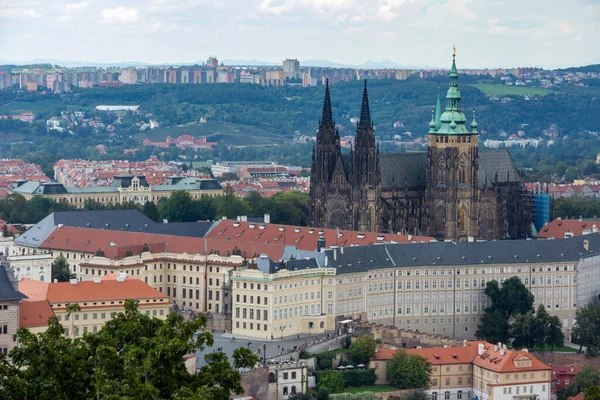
[559,227]
[403,170]
[7,291]
[301,237]
[493,359]
[34,313]
[492,161]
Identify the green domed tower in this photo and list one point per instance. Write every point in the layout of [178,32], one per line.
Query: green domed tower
[452,168]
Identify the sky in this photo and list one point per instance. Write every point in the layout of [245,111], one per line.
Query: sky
[414,33]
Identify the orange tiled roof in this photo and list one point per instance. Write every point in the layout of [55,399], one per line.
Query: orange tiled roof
[302,238]
[579,396]
[88,240]
[34,290]
[34,313]
[66,292]
[444,355]
[493,360]
[558,228]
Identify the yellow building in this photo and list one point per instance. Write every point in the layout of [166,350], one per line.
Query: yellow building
[124,188]
[270,301]
[476,369]
[99,301]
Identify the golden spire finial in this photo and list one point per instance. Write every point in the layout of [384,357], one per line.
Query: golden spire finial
[453,51]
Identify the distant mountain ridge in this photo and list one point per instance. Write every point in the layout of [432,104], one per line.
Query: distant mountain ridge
[584,68]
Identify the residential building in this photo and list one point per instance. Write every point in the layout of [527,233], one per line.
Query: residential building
[36,266]
[287,379]
[291,68]
[99,300]
[10,297]
[128,76]
[477,370]
[563,376]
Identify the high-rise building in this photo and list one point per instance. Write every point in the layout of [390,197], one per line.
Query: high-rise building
[212,62]
[128,76]
[291,68]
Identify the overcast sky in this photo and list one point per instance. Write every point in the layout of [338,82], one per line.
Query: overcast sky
[487,33]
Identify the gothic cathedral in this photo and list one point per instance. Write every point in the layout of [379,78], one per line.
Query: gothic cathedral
[453,191]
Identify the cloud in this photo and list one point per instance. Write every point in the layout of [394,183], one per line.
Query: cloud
[16,13]
[77,6]
[279,7]
[119,15]
[564,28]
[494,27]
[388,10]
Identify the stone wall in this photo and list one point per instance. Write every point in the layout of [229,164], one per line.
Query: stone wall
[403,337]
[9,317]
[567,359]
[256,383]
[321,347]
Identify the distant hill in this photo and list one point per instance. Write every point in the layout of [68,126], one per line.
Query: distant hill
[585,68]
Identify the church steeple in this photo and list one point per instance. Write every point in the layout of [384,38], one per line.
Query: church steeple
[365,112]
[438,109]
[453,95]
[327,116]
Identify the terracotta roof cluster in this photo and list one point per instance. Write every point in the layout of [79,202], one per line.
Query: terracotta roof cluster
[493,357]
[14,170]
[84,173]
[303,238]
[563,228]
[88,240]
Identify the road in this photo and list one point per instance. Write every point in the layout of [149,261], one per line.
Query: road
[227,346]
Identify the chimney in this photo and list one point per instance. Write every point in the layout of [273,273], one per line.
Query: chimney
[526,350]
[495,348]
[55,280]
[244,218]
[465,343]
[326,261]
[73,281]
[572,370]
[342,249]
[334,254]
[501,351]
[267,218]
[97,280]
[480,349]
[586,245]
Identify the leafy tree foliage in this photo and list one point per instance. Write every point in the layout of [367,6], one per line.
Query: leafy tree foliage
[354,396]
[576,207]
[585,380]
[301,396]
[132,357]
[151,211]
[230,205]
[586,331]
[60,270]
[362,349]
[593,393]
[511,299]
[409,371]
[536,330]
[329,381]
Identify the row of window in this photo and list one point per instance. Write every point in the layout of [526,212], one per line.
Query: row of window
[448,381]
[473,271]
[517,390]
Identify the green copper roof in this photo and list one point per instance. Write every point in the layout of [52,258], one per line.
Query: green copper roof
[452,121]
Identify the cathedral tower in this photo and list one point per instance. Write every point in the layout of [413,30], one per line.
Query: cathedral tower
[329,187]
[365,174]
[452,169]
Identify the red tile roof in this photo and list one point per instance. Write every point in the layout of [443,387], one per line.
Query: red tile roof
[34,313]
[89,240]
[444,355]
[557,228]
[493,360]
[66,292]
[302,237]
[34,290]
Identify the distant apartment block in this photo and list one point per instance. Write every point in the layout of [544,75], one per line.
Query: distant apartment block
[128,76]
[291,68]
[183,142]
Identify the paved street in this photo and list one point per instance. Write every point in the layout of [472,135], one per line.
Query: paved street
[273,347]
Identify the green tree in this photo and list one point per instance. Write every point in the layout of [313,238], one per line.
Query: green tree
[593,393]
[362,349]
[586,331]
[133,356]
[178,207]
[322,394]
[536,330]
[151,211]
[409,371]
[300,396]
[585,379]
[331,381]
[230,205]
[511,299]
[60,270]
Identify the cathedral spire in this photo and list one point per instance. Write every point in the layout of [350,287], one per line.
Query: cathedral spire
[438,108]
[365,112]
[327,116]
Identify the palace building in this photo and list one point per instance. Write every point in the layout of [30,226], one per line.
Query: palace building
[454,190]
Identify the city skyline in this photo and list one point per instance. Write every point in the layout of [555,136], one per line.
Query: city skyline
[410,33]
